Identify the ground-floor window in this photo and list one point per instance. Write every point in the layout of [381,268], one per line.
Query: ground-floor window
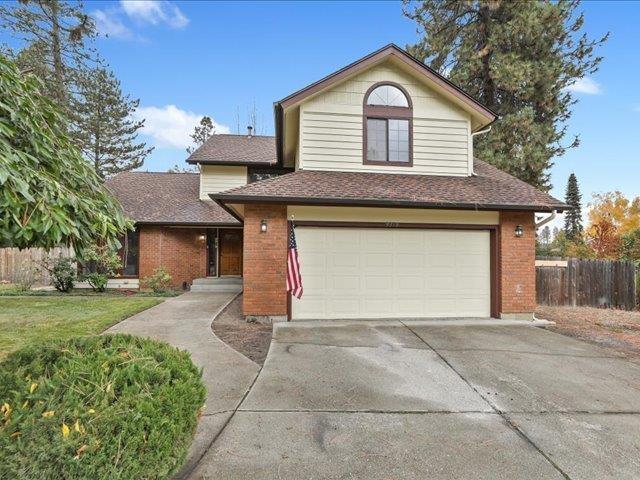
[130,253]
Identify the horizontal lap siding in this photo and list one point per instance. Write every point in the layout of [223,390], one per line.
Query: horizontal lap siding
[332,127]
[217,178]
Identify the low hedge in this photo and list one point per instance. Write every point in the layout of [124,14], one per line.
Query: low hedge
[113,406]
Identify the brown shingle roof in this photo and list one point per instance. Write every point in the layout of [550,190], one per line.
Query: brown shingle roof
[236,150]
[490,189]
[166,198]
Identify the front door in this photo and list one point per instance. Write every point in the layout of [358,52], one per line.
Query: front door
[230,242]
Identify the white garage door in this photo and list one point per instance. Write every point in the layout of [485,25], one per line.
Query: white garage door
[387,273]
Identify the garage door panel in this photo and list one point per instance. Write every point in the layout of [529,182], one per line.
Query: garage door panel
[345,283]
[378,282]
[315,283]
[377,260]
[386,273]
[412,283]
[409,261]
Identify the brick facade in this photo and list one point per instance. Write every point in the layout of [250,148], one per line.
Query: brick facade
[517,264]
[182,251]
[265,261]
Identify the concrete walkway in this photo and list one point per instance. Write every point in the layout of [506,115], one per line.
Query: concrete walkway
[185,323]
[416,400]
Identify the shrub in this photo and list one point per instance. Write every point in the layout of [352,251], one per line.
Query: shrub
[25,276]
[158,281]
[98,281]
[111,406]
[63,274]
[103,263]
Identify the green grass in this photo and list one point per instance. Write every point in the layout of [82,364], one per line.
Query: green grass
[28,320]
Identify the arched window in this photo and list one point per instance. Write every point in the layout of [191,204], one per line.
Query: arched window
[388,126]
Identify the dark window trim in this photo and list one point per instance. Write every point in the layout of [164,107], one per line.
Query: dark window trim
[123,249]
[380,112]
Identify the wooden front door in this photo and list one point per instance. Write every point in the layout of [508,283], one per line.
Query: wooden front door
[230,242]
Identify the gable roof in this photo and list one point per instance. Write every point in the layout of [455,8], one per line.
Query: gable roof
[223,149]
[489,189]
[378,55]
[166,198]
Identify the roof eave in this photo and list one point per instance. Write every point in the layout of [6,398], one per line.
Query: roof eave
[389,49]
[233,163]
[186,224]
[385,203]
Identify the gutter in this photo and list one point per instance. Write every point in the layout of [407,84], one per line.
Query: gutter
[249,199]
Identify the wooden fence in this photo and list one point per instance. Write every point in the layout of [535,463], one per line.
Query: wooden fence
[12,260]
[588,283]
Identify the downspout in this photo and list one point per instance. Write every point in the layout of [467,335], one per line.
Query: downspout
[541,321]
[486,130]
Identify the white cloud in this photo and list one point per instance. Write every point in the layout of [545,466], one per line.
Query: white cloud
[171,126]
[155,12]
[585,85]
[110,25]
[636,108]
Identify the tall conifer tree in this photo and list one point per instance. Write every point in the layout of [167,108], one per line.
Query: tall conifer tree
[573,217]
[103,124]
[518,58]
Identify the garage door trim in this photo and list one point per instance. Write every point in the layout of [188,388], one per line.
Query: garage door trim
[493,247]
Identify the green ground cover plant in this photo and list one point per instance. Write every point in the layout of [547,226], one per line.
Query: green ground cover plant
[111,406]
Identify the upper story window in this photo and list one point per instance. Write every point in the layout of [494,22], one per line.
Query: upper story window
[388,122]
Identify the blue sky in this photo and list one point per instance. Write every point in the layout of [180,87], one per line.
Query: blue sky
[187,59]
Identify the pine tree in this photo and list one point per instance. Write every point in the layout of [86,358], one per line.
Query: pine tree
[103,124]
[54,35]
[573,217]
[518,58]
[201,133]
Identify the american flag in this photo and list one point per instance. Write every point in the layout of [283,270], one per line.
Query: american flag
[294,279]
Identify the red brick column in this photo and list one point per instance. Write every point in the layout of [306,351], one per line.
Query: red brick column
[265,261]
[182,251]
[517,265]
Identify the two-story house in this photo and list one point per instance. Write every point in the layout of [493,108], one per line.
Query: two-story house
[373,166]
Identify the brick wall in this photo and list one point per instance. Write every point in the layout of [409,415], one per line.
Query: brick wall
[517,263]
[180,250]
[265,261]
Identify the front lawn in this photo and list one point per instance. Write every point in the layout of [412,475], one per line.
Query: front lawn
[27,320]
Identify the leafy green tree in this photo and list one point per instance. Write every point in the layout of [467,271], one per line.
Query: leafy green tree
[49,194]
[573,218]
[201,133]
[518,58]
[103,125]
[53,33]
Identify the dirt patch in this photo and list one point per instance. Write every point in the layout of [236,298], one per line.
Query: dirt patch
[616,329]
[250,339]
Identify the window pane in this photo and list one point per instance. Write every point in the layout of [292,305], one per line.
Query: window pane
[388,96]
[398,140]
[376,139]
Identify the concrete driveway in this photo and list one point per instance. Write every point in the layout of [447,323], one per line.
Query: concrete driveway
[432,400]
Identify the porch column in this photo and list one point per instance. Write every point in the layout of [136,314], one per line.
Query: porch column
[265,262]
[517,269]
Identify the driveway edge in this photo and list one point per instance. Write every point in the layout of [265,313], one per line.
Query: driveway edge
[210,426]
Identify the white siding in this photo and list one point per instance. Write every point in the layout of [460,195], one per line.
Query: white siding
[331,128]
[217,178]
